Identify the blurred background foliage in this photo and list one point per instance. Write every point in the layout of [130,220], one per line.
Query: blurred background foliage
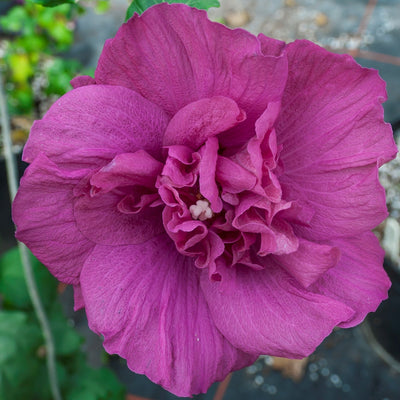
[32,41]
[23,371]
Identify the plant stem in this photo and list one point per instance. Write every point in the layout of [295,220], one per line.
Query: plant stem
[12,176]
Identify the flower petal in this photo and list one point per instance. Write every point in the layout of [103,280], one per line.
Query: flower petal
[268,312]
[147,303]
[44,216]
[358,280]
[309,262]
[161,56]
[333,139]
[232,177]
[100,220]
[331,116]
[128,169]
[78,298]
[346,202]
[82,80]
[88,126]
[195,123]
[207,169]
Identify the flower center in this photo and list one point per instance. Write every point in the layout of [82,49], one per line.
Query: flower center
[201,210]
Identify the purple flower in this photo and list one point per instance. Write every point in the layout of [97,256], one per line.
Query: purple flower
[211,195]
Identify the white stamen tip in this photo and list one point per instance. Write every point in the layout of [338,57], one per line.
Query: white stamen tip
[201,210]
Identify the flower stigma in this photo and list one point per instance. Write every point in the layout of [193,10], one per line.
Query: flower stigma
[201,210]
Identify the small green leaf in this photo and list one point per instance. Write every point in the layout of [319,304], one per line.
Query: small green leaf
[53,3]
[139,6]
[102,6]
[95,384]
[8,348]
[19,340]
[14,20]
[17,325]
[67,340]
[202,4]
[12,281]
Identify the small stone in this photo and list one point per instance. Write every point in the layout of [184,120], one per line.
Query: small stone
[335,379]
[313,367]
[325,372]
[251,370]
[346,388]
[322,362]
[314,376]
[258,380]
[272,389]
[290,3]
[237,18]
[321,19]
[268,360]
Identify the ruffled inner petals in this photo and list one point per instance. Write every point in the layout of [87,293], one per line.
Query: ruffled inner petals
[119,204]
[195,123]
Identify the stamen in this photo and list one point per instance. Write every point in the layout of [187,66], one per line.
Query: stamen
[201,210]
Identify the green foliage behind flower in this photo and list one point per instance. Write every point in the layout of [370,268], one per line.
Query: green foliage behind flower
[35,37]
[139,6]
[23,373]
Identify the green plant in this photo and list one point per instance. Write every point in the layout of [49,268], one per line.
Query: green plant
[36,38]
[22,351]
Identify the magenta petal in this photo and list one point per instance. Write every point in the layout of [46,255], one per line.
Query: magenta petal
[147,303]
[346,202]
[100,220]
[78,298]
[207,167]
[88,126]
[44,216]
[233,177]
[270,46]
[195,123]
[358,280]
[82,80]
[268,312]
[331,116]
[129,169]
[309,262]
[161,56]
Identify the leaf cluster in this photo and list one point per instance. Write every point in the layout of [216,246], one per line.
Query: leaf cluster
[34,37]
[23,373]
[139,6]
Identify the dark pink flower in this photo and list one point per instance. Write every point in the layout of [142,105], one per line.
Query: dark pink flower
[210,195]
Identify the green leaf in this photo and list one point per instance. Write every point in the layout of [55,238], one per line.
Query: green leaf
[53,3]
[95,384]
[19,340]
[138,6]
[14,20]
[8,348]
[201,4]
[18,325]
[12,281]
[67,340]
[102,6]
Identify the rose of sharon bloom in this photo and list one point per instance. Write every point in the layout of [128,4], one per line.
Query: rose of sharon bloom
[210,195]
